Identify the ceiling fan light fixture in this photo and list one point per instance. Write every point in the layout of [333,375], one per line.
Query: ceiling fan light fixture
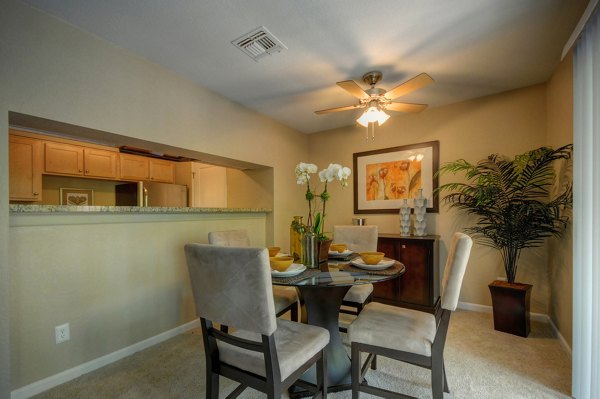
[372,115]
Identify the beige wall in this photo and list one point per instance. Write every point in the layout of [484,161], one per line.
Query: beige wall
[52,70]
[507,123]
[559,102]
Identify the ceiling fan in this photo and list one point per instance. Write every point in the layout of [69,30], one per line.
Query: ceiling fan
[377,100]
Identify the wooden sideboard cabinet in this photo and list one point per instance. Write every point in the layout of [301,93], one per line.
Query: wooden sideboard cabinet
[419,287]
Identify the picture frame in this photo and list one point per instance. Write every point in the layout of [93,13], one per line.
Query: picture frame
[76,196]
[384,178]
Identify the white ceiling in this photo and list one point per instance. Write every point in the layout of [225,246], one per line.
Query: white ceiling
[471,48]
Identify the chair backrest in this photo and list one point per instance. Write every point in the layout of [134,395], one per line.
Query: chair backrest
[232,286]
[458,256]
[229,238]
[357,238]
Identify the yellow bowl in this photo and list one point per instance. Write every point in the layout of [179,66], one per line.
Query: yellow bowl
[338,247]
[273,251]
[371,258]
[281,263]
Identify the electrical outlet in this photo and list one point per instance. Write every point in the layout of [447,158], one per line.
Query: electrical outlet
[62,333]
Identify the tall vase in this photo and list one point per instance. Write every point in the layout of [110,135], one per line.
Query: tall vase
[420,210]
[404,214]
[296,230]
[310,248]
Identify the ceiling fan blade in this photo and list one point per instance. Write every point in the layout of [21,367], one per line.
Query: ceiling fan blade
[409,86]
[346,108]
[351,87]
[405,107]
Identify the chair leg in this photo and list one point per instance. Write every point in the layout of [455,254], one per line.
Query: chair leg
[294,312]
[445,379]
[437,376]
[355,362]
[322,376]
[374,362]
[212,385]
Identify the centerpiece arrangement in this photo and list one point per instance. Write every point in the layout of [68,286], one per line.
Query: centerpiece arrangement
[314,231]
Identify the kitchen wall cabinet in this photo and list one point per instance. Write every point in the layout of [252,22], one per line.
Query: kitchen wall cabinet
[419,287]
[133,167]
[73,160]
[25,169]
[161,170]
[136,167]
[207,184]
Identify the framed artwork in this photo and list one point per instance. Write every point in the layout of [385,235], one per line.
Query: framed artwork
[76,196]
[384,178]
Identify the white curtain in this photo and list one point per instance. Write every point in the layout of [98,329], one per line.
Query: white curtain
[586,212]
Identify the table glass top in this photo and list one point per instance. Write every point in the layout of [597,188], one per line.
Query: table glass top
[331,274]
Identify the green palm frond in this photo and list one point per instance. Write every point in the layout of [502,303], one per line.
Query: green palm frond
[511,200]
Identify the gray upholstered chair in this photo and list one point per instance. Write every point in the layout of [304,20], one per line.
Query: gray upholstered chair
[286,298]
[409,335]
[357,239]
[264,353]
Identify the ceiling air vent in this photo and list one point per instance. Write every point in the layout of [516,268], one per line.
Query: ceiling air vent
[259,43]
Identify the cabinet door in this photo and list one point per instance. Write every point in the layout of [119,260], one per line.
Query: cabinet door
[63,159]
[390,289]
[25,169]
[415,284]
[133,167]
[100,163]
[161,170]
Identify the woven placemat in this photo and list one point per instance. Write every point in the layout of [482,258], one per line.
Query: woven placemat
[289,280]
[397,268]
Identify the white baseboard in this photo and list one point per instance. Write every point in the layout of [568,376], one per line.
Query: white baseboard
[475,307]
[67,375]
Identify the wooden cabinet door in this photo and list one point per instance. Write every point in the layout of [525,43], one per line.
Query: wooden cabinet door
[63,159]
[100,163]
[418,287]
[415,283]
[25,169]
[161,170]
[133,167]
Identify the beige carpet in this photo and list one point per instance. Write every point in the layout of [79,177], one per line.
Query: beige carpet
[481,363]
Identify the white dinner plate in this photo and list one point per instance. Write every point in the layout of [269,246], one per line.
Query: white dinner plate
[336,254]
[293,270]
[383,264]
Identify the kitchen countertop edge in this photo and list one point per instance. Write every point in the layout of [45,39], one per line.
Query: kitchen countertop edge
[44,209]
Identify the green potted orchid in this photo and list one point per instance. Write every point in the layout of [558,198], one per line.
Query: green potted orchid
[316,219]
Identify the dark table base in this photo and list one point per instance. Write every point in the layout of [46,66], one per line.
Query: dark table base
[323,309]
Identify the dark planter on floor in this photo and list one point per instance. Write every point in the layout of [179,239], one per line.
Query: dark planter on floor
[510,302]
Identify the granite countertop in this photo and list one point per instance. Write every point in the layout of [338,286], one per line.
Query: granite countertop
[43,209]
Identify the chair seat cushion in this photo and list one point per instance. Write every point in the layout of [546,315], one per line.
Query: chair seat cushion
[394,328]
[359,293]
[295,344]
[284,297]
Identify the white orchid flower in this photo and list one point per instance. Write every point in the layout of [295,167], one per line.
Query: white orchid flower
[303,171]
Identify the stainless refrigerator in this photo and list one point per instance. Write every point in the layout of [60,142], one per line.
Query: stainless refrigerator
[151,194]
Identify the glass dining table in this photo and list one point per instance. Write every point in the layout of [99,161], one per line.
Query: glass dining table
[322,291]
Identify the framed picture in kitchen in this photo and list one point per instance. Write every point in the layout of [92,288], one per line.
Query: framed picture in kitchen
[76,196]
[384,178]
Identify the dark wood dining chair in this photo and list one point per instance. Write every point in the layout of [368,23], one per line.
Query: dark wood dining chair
[357,239]
[232,286]
[408,335]
[286,298]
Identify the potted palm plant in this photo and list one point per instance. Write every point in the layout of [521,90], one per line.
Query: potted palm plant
[515,210]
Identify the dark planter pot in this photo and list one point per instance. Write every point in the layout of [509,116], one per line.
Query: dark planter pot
[324,250]
[510,302]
